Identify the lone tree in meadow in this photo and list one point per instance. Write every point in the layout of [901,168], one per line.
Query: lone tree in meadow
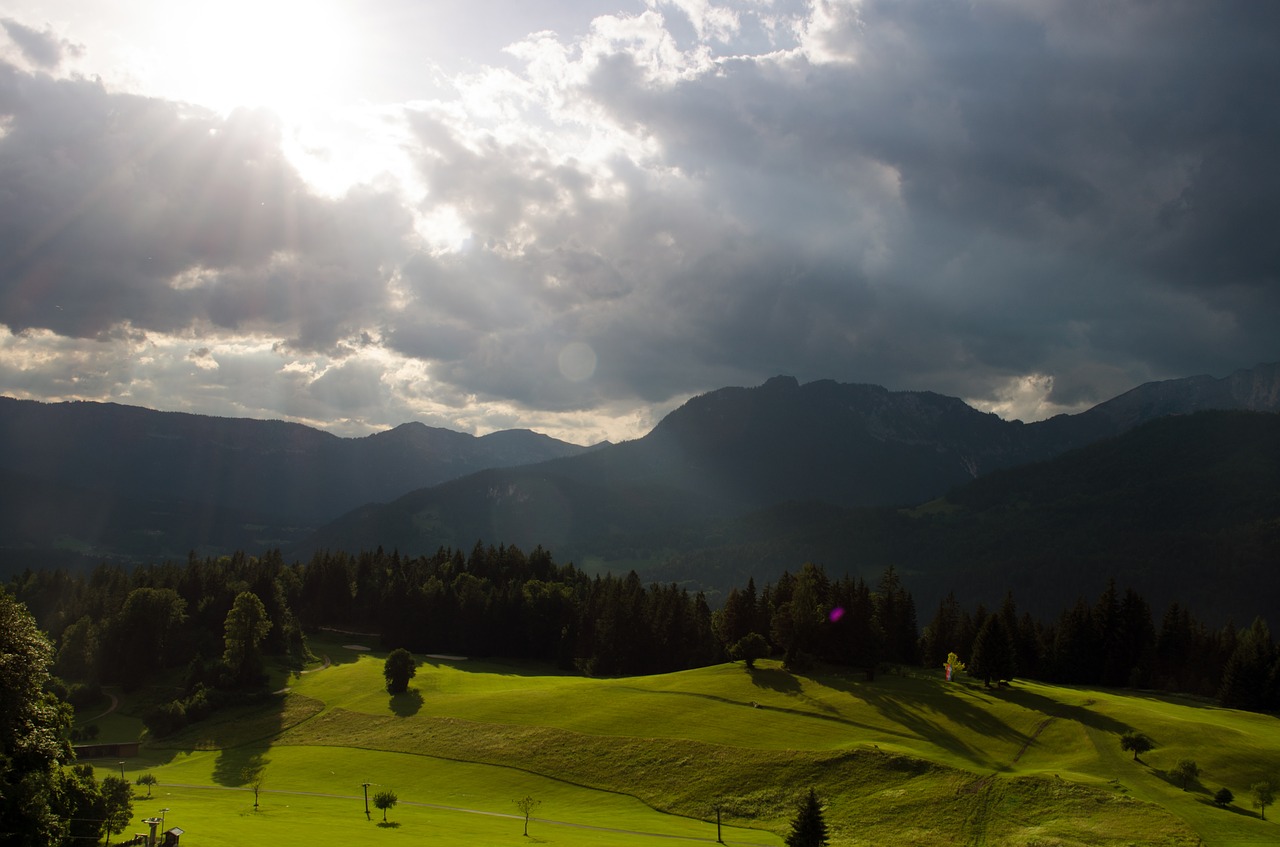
[253,775]
[749,648]
[1186,771]
[1264,794]
[527,806]
[147,779]
[1223,797]
[385,799]
[399,669]
[809,829]
[1137,743]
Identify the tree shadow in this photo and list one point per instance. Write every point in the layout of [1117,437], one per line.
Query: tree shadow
[1193,786]
[389,824]
[912,713]
[1057,709]
[407,704]
[774,679]
[1232,808]
[234,764]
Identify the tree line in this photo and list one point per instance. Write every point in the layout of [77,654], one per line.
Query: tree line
[129,626]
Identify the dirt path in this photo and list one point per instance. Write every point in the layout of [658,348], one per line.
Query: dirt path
[115,704]
[463,810]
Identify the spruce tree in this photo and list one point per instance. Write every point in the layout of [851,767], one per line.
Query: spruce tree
[808,829]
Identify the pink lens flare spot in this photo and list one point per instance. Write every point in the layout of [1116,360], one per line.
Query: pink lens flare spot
[836,614]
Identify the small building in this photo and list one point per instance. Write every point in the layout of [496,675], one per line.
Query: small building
[114,750]
[171,837]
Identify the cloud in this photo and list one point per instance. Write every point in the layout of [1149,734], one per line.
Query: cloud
[122,208]
[42,48]
[1032,206]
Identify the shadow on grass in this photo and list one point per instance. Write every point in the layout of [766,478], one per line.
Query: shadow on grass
[913,713]
[1057,709]
[389,824]
[407,704]
[774,679]
[237,765]
[1232,808]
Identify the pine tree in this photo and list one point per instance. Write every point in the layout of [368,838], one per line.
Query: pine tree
[993,655]
[808,829]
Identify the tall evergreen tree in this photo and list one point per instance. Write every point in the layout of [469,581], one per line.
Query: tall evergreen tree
[809,828]
[1249,678]
[993,656]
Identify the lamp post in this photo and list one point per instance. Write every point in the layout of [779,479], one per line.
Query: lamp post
[121,769]
[366,802]
[162,811]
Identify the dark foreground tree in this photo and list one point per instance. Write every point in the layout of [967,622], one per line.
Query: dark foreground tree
[78,801]
[399,669]
[245,629]
[993,656]
[117,801]
[809,829]
[749,648]
[1137,743]
[385,799]
[527,806]
[33,724]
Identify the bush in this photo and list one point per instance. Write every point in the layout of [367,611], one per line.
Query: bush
[166,719]
[82,695]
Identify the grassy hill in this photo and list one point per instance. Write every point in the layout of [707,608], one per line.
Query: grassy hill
[902,760]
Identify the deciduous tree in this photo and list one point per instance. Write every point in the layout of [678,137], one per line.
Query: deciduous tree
[1264,794]
[117,800]
[749,648]
[527,806]
[398,669]
[246,626]
[33,724]
[1136,743]
[384,800]
[1186,771]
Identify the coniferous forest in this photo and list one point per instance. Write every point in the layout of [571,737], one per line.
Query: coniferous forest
[212,621]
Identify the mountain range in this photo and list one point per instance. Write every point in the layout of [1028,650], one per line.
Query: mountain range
[736,482]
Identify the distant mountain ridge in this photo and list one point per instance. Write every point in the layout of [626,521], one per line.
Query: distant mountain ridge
[737,449]
[204,475]
[170,482]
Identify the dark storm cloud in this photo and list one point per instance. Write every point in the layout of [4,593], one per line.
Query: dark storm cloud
[120,208]
[978,198]
[1072,181]
[43,49]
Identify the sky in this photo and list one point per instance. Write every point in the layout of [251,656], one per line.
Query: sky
[572,216]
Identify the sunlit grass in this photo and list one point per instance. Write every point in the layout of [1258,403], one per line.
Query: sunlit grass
[903,759]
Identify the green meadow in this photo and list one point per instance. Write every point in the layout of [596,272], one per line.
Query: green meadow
[906,759]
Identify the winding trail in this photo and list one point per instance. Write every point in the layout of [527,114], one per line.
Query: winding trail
[464,810]
[115,704]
